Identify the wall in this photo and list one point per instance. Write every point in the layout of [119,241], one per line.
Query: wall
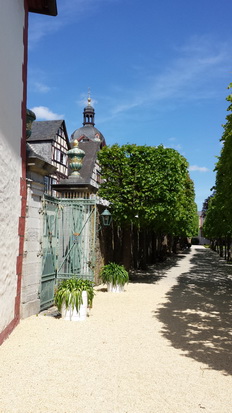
[12,158]
[31,280]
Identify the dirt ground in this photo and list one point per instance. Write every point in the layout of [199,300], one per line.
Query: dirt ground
[162,346]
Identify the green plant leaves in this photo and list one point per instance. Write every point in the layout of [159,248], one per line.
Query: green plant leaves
[218,223]
[114,273]
[69,292]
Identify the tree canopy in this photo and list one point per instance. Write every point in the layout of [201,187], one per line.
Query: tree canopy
[150,187]
[218,221]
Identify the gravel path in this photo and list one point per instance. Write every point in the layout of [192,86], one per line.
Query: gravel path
[162,346]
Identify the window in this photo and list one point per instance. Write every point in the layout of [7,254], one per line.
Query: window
[47,185]
[98,177]
[56,155]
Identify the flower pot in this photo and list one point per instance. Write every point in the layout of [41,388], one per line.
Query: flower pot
[71,314]
[117,288]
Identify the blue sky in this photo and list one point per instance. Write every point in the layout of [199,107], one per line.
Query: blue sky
[158,71]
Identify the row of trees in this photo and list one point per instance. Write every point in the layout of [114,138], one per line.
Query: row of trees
[151,198]
[218,207]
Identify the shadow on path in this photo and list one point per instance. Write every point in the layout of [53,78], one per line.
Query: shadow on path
[157,271]
[197,316]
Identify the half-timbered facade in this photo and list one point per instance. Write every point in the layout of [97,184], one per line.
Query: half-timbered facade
[49,139]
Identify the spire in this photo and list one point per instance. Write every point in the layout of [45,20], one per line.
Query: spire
[88,114]
[89,98]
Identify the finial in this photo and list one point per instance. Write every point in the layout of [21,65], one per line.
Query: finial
[89,98]
[75,156]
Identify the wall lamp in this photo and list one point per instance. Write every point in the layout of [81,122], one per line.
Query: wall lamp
[106,218]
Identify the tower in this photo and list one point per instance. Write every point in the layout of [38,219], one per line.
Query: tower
[88,132]
[88,114]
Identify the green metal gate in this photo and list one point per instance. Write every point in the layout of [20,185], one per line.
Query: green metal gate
[68,243]
[50,208]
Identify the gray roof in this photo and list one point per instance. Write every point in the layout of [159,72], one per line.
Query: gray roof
[91,149]
[31,153]
[45,130]
[90,132]
[37,163]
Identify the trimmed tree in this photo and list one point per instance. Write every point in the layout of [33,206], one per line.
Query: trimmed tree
[148,187]
[218,223]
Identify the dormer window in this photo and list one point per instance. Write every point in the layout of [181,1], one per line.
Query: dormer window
[83,139]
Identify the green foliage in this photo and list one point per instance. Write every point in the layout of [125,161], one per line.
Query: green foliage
[70,291]
[218,223]
[149,187]
[187,222]
[205,206]
[114,273]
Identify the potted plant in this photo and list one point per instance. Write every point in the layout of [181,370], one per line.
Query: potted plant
[115,276]
[73,297]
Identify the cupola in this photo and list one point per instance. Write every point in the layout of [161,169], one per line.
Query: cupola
[88,114]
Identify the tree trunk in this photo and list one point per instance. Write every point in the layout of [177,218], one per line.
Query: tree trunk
[117,245]
[108,245]
[135,244]
[154,249]
[143,250]
[126,247]
[174,245]
[228,242]
[221,248]
[149,247]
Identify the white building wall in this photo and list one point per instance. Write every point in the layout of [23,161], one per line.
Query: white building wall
[11,86]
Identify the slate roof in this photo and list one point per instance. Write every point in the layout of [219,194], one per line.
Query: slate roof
[91,149]
[40,163]
[31,153]
[90,132]
[45,130]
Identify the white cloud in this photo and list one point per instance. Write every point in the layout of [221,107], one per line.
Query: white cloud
[44,113]
[68,12]
[126,106]
[42,27]
[41,88]
[178,147]
[198,168]
[188,77]
[184,77]
[83,101]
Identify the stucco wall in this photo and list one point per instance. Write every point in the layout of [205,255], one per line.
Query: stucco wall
[12,17]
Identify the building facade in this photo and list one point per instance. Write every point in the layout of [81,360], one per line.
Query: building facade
[90,141]
[13,86]
[49,140]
